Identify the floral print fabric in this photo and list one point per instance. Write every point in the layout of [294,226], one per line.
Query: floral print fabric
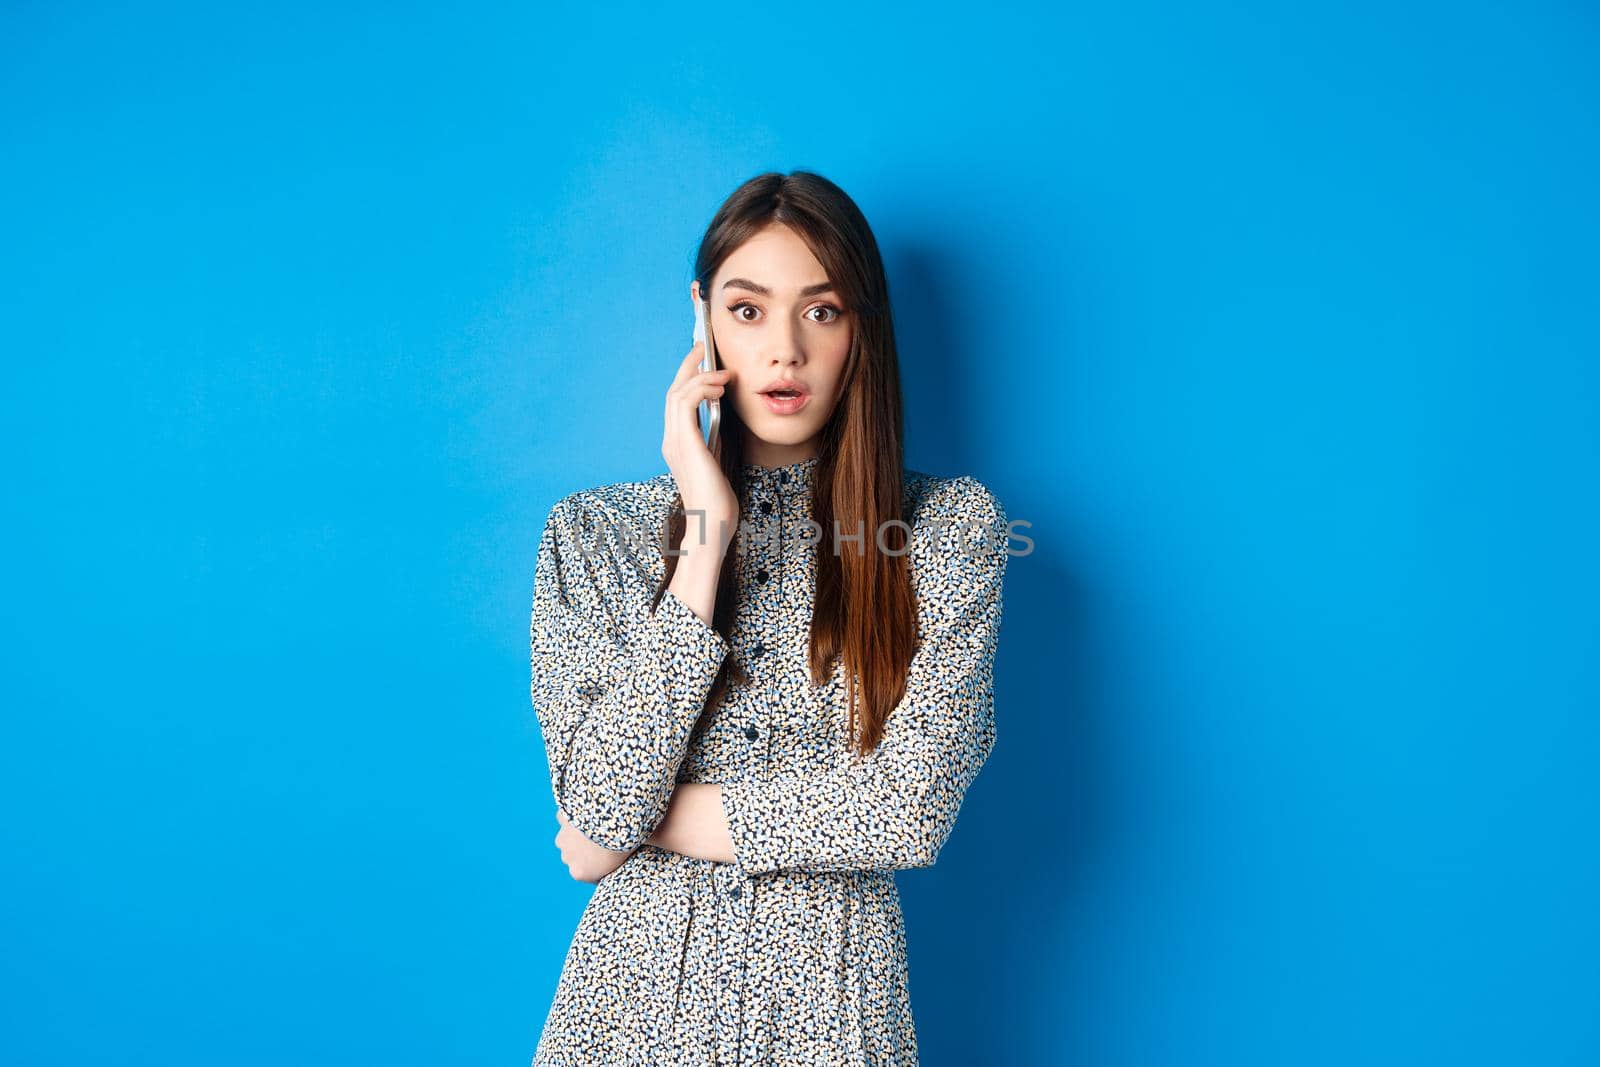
[795,953]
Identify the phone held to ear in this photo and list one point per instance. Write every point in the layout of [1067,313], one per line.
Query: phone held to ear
[710,410]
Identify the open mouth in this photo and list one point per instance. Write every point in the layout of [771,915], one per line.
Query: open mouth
[785,401]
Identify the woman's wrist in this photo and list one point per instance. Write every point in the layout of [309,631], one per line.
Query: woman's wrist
[710,529]
[695,577]
[694,825]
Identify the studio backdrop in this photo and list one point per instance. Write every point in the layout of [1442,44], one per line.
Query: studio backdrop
[1275,324]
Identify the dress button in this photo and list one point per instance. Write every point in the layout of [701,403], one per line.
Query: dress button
[762,575]
[734,892]
[751,732]
[758,650]
[783,476]
[766,507]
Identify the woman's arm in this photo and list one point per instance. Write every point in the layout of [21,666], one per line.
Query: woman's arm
[694,824]
[896,807]
[616,686]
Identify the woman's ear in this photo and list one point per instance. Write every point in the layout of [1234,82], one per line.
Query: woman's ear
[694,290]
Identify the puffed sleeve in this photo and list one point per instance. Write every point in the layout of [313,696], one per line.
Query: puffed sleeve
[616,686]
[896,807]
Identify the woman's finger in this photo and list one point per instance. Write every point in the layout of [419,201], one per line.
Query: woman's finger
[683,402]
[690,362]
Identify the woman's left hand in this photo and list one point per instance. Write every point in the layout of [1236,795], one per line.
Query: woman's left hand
[585,860]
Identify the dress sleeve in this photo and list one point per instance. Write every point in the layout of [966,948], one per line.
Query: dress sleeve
[896,807]
[616,687]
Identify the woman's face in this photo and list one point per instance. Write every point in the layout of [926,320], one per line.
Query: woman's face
[775,319]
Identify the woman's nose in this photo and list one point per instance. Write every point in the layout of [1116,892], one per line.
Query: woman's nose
[787,350]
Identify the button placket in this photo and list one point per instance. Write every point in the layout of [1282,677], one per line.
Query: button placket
[762,567]
[777,500]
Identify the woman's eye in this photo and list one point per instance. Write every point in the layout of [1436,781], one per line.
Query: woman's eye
[833,312]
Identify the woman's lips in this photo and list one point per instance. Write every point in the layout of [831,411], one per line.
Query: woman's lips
[781,404]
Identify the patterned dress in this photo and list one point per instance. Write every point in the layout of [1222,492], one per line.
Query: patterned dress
[795,953]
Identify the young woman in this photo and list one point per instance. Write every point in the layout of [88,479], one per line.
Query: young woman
[751,727]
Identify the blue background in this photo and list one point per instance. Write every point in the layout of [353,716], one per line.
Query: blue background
[1276,323]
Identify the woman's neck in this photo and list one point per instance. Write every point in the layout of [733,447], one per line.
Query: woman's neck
[766,454]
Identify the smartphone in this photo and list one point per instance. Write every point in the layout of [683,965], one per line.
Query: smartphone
[710,410]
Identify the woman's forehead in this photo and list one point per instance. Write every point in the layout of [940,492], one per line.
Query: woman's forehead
[774,260]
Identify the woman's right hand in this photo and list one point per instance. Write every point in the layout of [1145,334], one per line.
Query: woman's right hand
[585,860]
[701,483]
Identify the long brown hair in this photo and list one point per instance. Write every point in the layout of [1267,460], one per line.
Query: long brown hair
[864,609]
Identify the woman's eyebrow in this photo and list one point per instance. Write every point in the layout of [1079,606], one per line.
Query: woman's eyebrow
[746,283]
